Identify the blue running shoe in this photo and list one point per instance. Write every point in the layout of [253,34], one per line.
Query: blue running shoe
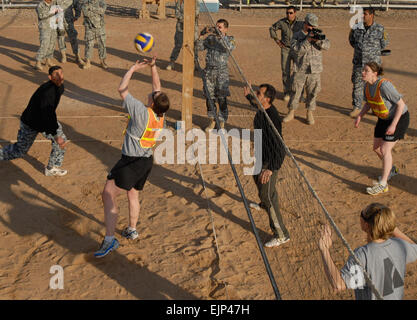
[106,247]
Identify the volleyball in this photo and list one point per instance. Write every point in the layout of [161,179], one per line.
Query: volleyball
[144,42]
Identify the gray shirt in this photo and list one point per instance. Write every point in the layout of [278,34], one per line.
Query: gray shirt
[389,95]
[385,264]
[138,120]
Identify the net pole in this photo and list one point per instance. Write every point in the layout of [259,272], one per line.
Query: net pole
[188,64]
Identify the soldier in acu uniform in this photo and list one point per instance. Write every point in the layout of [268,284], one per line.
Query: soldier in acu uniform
[69,6]
[179,31]
[93,11]
[288,27]
[216,72]
[307,67]
[47,34]
[368,39]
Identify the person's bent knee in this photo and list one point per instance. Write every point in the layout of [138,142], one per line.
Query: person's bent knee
[109,191]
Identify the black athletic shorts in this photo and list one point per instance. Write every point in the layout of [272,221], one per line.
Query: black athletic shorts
[131,172]
[402,126]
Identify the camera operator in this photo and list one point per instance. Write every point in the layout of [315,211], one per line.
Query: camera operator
[216,73]
[306,46]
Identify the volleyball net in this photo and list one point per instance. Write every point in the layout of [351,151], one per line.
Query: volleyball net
[296,266]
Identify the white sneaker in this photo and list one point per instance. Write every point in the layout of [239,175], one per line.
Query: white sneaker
[377,189]
[130,233]
[275,242]
[55,171]
[255,206]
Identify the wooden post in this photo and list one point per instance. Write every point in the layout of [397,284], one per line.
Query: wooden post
[161,9]
[188,64]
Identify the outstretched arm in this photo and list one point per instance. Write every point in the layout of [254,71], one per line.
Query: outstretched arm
[123,87]
[330,269]
[156,82]
[401,235]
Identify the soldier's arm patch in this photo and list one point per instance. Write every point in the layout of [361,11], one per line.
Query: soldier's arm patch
[385,35]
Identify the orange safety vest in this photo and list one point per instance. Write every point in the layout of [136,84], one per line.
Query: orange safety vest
[375,102]
[151,132]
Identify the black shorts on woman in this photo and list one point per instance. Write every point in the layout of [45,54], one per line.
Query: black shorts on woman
[131,172]
[382,126]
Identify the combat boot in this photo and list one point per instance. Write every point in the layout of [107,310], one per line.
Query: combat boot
[38,66]
[103,64]
[289,116]
[211,125]
[87,64]
[63,57]
[170,66]
[48,63]
[310,118]
[221,124]
[79,60]
[355,112]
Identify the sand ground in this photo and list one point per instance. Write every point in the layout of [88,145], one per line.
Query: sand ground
[48,221]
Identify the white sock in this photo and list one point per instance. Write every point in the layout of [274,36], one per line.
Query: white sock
[108,238]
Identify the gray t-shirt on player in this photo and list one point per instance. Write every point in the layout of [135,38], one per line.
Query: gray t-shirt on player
[138,119]
[385,264]
[389,95]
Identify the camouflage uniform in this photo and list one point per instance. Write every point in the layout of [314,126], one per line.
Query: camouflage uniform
[47,34]
[287,31]
[367,44]
[25,139]
[216,73]
[307,69]
[93,11]
[179,28]
[69,6]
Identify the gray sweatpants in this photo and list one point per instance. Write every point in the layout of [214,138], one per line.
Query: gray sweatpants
[269,201]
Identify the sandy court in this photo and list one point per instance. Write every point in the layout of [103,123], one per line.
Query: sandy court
[48,221]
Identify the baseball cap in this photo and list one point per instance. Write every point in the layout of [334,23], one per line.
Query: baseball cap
[312,20]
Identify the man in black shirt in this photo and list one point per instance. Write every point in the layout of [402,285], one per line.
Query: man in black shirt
[273,155]
[40,117]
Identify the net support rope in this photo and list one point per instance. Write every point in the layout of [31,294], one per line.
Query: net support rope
[311,189]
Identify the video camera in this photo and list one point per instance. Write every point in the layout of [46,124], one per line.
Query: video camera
[317,34]
[385,52]
[208,30]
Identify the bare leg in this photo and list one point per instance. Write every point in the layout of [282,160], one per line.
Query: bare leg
[134,207]
[386,149]
[109,195]
[377,147]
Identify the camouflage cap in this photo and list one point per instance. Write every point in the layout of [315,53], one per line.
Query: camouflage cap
[312,20]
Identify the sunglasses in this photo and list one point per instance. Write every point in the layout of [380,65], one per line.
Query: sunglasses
[290,12]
